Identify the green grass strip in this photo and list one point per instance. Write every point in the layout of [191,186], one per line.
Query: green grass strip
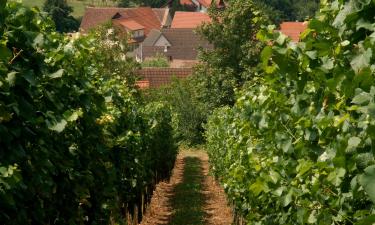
[188,200]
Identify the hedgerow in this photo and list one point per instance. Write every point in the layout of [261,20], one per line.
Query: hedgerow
[76,146]
[297,147]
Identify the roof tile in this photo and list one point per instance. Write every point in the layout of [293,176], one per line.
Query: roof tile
[144,16]
[131,24]
[158,77]
[189,19]
[293,29]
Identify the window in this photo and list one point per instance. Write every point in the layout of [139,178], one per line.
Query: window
[133,47]
[137,33]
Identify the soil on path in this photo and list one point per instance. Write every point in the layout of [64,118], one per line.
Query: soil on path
[191,196]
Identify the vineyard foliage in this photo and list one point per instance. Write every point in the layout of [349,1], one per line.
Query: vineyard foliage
[298,145]
[76,146]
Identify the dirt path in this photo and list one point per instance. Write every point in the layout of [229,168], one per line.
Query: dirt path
[191,197]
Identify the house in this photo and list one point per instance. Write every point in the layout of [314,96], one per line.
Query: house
[179,46]
[136,21]
[189,19]
[202,5]
[293,29]
[157,77]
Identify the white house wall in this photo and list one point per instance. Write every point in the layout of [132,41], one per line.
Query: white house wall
[162,41]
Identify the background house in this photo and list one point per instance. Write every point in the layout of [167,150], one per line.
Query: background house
[136,21]
[179,46]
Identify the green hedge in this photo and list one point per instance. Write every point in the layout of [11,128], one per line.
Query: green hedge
[76,146]
[298,146]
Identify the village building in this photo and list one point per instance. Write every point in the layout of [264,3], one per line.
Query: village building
[137,22]
[180,46]
[151,33]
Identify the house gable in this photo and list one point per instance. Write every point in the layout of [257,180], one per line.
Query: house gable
[184,44]
[162,41]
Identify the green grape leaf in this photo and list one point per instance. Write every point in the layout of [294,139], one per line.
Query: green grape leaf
[327,63]
[11,78]
[266,54]
[38,41]
[58,126]
[367,221]
[365,24]
[362,98]
[5,53]
[353,142]
[367,180]
[287,199]
[57,74]
[303,167]
[312,217]
[340,18]
[361,61]
[71,116]
[336,176]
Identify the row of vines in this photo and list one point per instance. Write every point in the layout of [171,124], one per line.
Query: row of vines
[298,145]
[76,144]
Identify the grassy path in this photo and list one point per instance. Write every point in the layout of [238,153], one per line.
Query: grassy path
[188,198]
[191,197]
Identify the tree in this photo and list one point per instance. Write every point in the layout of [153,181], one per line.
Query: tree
[232,32]
[151,3]
[60,12]
[305,9]
[158,61]
[289,10]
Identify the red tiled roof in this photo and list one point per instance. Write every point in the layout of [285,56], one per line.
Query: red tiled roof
[160,13]
[189,19]
[142,84]
[293,29]
[131,24]
[144,16]
[162,76]
[186,2]
[205,3]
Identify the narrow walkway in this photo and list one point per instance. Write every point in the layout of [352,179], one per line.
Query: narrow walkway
[192,197]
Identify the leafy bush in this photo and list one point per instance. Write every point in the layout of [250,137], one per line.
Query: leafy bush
[187,113]
[297,147]
[76,145]
[158,61]
[60,11]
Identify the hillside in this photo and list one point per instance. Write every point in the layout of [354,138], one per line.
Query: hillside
[78,6]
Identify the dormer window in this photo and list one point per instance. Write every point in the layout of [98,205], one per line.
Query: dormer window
[138,33]
[135,29]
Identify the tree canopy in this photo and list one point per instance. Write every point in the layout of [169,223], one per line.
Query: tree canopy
[60,12]
[289,10]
